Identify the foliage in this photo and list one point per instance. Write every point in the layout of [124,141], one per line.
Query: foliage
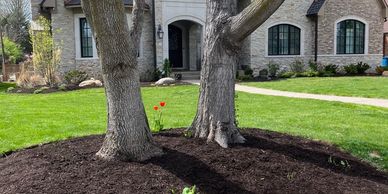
[41,90]
[75,77]
[27,78]
[248,71]
[187,190]
[356,69]
[47,53]
[13,51]
[331,69]
[287,74]
[62,87]
[157,74]
[10,89]
[313,65]
[167,68]
[273,69]
[297,66]
[14,20]
[380,70]
[158,120]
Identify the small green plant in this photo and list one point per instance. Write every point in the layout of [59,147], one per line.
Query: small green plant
[248,71]
[13,51]
[273,69]
[291,175]
[356,69]
[10,89]
[339,163]
[331,69]
[297,66]
[38,91]
[313,65]
[190,190]
[167,69]
[62,87]
[287,74]
[188,133]
[75,77]
[158,122]
[186,190]
[380,70]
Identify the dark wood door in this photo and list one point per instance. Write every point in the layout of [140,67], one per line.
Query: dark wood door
[175,46]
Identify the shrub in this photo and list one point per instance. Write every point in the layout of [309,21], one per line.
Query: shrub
[331,69]
[13,51]
[350,69]
[362,67]
[75,77]
[297,66]
[245,78]
[273,69]
[287,74]
[313,65]
[167,68]
[10,89]
[380,70]
[309,73]
[263,73]
[47,54]
[248,71]
[62,87]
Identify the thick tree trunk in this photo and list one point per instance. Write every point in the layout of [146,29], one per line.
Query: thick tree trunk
[225,31]
[128,135]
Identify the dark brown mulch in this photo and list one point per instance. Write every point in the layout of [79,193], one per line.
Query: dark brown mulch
[268,163]
[69,87]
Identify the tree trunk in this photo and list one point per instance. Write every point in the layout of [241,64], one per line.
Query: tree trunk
[225,31]
[2,53]
[128,135]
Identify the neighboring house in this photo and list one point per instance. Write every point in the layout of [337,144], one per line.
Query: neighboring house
[329,31]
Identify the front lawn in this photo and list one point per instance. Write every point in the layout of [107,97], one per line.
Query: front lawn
[369,87]
[34,119]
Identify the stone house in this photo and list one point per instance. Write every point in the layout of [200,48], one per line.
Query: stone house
[328,31]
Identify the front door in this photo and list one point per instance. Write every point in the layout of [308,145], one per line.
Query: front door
[175,46]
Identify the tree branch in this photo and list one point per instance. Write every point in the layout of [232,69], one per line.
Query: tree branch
[252,17]
[137,21]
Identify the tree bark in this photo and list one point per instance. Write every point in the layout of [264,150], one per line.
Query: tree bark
[128,135]
[225,31]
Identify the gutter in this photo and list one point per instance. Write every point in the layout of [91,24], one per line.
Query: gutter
[154,34]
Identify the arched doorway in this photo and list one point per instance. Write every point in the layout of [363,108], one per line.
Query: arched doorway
[185,45]
[175,51]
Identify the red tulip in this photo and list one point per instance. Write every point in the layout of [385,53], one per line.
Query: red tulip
[162,104]
[156,107]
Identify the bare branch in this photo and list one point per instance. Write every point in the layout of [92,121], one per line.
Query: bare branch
[252,17]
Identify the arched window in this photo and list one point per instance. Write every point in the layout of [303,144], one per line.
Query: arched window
[350,37]
[284,39]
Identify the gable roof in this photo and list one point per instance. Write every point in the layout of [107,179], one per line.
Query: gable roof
[315,7]
[318,4]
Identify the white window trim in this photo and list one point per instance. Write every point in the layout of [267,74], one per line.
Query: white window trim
[366,40]
[77,37]
[302,39]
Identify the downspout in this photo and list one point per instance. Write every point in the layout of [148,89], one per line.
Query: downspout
[316,39]
[154,34]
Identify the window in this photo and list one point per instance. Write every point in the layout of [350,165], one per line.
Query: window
[86,39]
[284,39]
[350,37]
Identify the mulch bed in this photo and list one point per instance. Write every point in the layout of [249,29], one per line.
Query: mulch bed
[268,163]
[71,87]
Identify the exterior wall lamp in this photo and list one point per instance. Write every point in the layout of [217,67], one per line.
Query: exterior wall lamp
[160,32]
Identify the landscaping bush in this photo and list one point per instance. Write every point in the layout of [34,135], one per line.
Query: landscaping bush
[287,74]
[380,70]
[13,51]
[313,65]
[248,71]
[356,69]
[273,69]
[297,66]
[167,68]
[75,77]
[331,69]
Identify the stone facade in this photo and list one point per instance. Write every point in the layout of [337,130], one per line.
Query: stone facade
[190,16]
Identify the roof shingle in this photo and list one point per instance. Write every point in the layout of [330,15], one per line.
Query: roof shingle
[315,7]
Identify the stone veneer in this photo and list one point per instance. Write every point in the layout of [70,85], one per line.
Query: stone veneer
[291,12]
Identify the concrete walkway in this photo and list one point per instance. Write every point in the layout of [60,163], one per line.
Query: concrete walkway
[355,100]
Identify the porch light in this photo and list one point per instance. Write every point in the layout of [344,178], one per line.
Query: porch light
[160,32]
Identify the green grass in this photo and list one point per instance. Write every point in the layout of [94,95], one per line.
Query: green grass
[369,87]
[34,119]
